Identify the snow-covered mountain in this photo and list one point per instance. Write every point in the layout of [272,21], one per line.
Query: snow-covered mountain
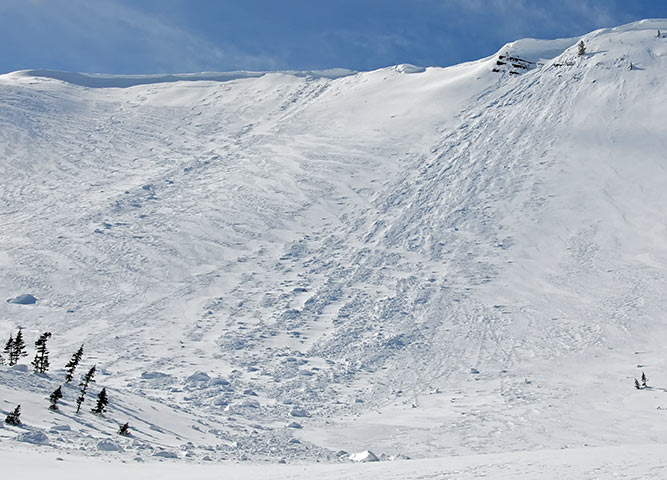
[422,262]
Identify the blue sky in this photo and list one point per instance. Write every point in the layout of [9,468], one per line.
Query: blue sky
[169,36]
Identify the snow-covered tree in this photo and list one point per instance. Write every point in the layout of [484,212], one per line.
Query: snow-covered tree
[41,361]
[14,418]
[54,397]
[637,385]
[8,349]
[581,48]
[644,380]
[659,35]
[102,402]
[73,363]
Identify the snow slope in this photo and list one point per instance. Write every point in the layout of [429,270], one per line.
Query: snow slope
[420,262]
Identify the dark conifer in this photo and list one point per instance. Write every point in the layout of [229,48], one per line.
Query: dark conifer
[102,402]
[54,397]
[87,378]
[18,349]
[124,430]
[637,385]
[79,401]
[41,361]
[73,363]
[14,418]
[644,380]
[9,348]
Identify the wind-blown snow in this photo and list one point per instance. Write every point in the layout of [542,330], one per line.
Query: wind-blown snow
[418,262]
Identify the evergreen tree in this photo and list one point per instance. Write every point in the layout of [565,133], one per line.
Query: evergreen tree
[9,348]
[582,48]
[659,35]
[54,397]
[79,401]
[644,380]
[102,402]
[41,361]
[637,386]
[14,418]
[124,430]
[73,363]
[87,378]
[18,349]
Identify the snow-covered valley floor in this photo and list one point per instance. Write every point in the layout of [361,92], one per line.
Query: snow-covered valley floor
[460,263]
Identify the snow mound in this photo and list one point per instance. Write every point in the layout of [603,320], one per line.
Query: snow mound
[408,68]
[364,456]
[23,299]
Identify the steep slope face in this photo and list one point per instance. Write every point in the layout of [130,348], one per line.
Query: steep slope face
[348,250]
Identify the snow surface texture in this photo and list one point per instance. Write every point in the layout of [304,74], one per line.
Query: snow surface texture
[306,266]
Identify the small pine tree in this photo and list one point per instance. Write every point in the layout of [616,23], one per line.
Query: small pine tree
[102,402]
[72,364]
[637,385]
[54,397]
[582,48]
[79,401]
[124,429]
[9,348]
[87,378]
[659,35]
[18,349]
[644,380]
[41,361]
[14,418]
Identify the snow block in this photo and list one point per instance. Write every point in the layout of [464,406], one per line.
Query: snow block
[198,377]
[23,299]
[165,454]
[35,437]
[365,456]
[108,445]
[299,412]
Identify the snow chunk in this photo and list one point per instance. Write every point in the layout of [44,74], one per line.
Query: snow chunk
[23,299]
[299,412]
[365,456]
[108,445]
[249,403]
[220,381]
[165,454]
[198,377]
[36,437]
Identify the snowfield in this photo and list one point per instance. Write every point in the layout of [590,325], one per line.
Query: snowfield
[460,266]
